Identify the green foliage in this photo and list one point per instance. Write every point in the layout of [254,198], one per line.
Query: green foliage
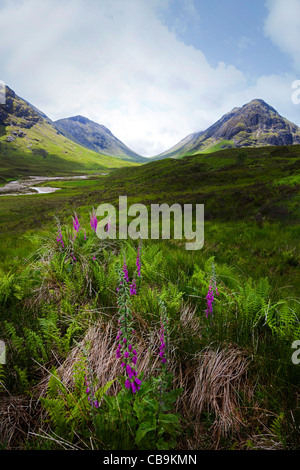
[241,157]
[68,409]
[253,299]
[22,377]
[139,421]
[2,376]
[31,347]
[17,341]
[282,320]
[122,421]
[277,428]
[9,288]
[153,264]
[172,297]
[48,307]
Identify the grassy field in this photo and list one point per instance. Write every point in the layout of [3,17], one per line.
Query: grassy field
[223,317]
[44,152]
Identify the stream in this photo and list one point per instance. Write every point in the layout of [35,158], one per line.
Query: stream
[30,185]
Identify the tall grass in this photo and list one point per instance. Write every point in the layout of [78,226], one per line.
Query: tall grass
[226,363]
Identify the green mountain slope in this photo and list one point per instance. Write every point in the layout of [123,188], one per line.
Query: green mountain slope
[256,124]
[233,184]
[95,137]
[29,144]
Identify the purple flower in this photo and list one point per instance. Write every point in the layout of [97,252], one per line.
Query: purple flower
[76,223]
[89,391]
[126,351]
[59,238]
[133,290]
[210,301]
[127,383]
[125,272]
[138,262]
[93,221]
[163,332]
[137,381]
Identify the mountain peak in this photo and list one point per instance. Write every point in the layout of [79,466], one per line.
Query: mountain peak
[256,124]
[96,137]
[79,118]
[259,103]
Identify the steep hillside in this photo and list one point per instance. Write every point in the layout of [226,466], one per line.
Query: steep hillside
[29,144]
[256,124]
[95,137]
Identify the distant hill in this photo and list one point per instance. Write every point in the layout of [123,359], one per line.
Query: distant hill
[256,124]
[232,184]
[95,137]
[31,145]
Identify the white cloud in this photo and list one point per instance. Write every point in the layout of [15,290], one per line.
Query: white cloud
[282,26]
[276,90]
[245,42]
[116,63]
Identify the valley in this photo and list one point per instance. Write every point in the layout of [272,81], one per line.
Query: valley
[31,185]
[229,311]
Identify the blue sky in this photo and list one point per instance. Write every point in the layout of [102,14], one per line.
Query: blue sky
[152,71]
[231,31]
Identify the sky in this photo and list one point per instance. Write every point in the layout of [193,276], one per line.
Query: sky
[152,71]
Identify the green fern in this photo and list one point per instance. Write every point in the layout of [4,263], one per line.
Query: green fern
[35,345]
[22,375]
[172,297]
[16,341]
[282,320]
[9,288]
[2,375]
[68,408]
[277,428]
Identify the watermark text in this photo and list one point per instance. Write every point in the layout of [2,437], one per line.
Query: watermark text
[186,222]
[296,94]
[2,92]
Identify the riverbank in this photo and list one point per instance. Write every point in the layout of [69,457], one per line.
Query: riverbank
[30,185]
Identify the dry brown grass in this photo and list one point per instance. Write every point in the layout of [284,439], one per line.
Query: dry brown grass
[220,376]
[101,344]
[19,415]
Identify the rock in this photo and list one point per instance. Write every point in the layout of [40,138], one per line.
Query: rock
[21,134]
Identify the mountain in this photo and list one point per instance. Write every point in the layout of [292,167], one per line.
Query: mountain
[256,124]
[95,137]
[30,144]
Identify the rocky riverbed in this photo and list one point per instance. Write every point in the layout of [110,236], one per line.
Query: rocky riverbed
[30,185]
